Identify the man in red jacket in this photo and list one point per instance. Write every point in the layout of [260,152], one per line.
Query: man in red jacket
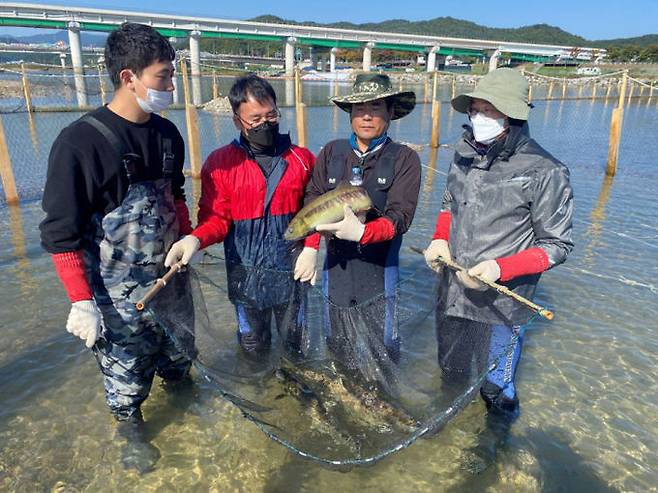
[251,189]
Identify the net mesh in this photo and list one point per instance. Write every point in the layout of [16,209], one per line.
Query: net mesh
[341,397]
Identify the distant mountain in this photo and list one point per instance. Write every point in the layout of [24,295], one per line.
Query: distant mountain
[8,39]
[87,39]
[649,39]
[457,28]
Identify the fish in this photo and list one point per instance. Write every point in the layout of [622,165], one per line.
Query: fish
[327,208]
[367,405]
[297,387]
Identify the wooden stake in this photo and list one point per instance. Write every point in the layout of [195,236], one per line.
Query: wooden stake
[436,124]
[608,91]
[101,84]
[594,90]
[435,88]
[550,90]
[564,88]
[530,92]
[192,123]
[615,130]
[26,89]
[301,124]
[631,88]
[6,171]
[215,89]
[454,87]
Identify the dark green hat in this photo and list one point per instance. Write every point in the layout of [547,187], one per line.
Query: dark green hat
[505,88]
[370,87]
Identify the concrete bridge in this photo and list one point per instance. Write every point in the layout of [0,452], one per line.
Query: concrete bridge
[76,19]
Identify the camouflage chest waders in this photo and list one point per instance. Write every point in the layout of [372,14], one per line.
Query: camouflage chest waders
[124,257]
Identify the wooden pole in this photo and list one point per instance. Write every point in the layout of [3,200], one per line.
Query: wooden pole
[615,130]
[192,123]
[6,172]
[504,290]
[26,89]
[435,88]
[215,89]
[436,124]
[608,91]
[594,90]
[631,87]
[427,90]
[564,88]
[454,87]
[530,92]
[301,124]
[101,84]
[550,90]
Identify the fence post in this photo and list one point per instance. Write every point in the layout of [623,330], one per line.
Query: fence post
[6,173]
[435,88]
[631,88]
[192,122]
[300,111]
[215,91]
[101,84]
[436,124]
[615,130]
[26,89]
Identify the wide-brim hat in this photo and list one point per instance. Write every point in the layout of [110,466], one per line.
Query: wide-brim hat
[505,88]
[370,87]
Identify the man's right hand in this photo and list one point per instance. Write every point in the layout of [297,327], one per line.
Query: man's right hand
[182,250]
[305,265]
[85,321]
[437,248]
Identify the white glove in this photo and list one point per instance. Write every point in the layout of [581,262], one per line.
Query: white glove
[489,270]
[350,228]
[305,266]
[182,250]
[85,321]
[437,248]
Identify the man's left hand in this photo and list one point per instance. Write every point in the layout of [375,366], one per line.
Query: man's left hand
[489,270]
[350,228]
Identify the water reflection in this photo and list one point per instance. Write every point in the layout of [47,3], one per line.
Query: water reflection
[597,217]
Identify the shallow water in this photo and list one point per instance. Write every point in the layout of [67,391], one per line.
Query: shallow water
[587,380]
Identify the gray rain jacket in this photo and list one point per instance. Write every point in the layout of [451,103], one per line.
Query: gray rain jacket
[515,197]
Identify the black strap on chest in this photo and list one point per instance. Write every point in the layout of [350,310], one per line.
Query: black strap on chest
[274,178]
[133,163]
[377,181]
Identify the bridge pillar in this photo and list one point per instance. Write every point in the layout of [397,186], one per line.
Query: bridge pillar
[76,59]
[493,60]
[367,56]
[313,57]
[195,67]
[290,56]
[332,60]
[431,58]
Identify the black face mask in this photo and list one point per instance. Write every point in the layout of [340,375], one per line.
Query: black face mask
[263,136]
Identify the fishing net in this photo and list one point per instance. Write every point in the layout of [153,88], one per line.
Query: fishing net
[348,399]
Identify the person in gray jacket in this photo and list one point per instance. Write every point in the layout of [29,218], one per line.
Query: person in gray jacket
[506,216]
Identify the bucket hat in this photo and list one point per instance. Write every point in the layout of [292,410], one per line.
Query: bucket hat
[505,88]
[370,87]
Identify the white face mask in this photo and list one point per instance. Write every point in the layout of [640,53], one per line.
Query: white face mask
[485,129]
[156,101]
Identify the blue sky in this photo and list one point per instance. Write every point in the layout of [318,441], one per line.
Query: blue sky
[592,19]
